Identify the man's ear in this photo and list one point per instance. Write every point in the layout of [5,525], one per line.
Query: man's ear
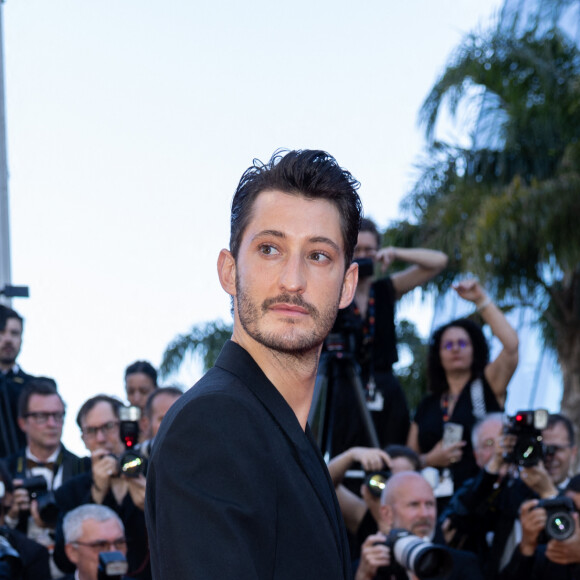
[386,516]
[71,553]
[22,423]
[349,285]
[226,266]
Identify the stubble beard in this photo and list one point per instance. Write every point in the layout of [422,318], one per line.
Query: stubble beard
[293,341]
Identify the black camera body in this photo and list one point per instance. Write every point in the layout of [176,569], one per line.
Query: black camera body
[424,559]
[342,337]
[376,481]
[527,426]
[560,523]
[37,488]
[132,462]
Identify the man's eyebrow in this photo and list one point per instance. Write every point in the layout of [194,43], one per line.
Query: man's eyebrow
[313,240]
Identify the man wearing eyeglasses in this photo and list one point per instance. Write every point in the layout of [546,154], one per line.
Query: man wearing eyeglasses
[487,506]
[98,419]
[90,530]
[41,414]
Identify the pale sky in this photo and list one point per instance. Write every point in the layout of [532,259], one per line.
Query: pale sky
[130,123]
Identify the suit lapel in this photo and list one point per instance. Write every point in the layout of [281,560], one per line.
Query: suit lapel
[237,360]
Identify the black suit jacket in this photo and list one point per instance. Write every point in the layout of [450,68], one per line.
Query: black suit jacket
[538,567]
[11,436]
[237,489]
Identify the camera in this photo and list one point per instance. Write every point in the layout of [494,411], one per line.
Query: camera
[132,462]
[37,488]
[376,481]
[10,561]
[527,426]
[560,523]
[342,337]
[424,559]
[112,566]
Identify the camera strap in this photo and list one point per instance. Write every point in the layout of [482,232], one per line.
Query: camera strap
[477,399]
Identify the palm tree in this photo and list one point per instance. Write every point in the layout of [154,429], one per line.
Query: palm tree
[204,339]
[505,208]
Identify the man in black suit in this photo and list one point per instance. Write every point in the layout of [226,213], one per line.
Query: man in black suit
[408,503]
[12,379]
[98,419]
[236,486]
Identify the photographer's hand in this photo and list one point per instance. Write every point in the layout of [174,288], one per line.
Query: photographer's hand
[36,516]
[533,521]
[538,480]
[441,456]
[566,551]
[20,501]
[137,490]
[374,554]
[104,467]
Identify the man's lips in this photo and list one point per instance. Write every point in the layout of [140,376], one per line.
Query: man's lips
[290,309]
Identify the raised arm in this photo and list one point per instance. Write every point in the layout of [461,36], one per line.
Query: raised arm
[425,265]
[498,372]
[370,458]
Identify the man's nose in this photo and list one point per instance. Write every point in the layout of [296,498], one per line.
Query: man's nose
[292,277]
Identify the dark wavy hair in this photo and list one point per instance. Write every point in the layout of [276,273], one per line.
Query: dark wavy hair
[436,374]
[312,173]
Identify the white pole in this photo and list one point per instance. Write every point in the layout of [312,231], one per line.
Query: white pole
[5,265]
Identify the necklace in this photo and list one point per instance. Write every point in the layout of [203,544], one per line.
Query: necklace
[448,400]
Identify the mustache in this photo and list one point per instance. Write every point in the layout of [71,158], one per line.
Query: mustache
[293,299]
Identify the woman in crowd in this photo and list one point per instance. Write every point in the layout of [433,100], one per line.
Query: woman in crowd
[464,384]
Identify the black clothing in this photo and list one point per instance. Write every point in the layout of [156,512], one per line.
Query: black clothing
[464,566]
[236,488]
[484,504]
[76,492]
[12,437]
[72,465]
[429,419]
[538,567]
[375,352]
[34,557]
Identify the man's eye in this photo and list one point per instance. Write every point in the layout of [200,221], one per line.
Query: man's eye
[268,250]
[319,257]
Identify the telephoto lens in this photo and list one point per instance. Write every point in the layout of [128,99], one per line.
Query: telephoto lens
[420,557]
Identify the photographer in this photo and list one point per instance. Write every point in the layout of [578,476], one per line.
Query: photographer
[371,317]
[483,513]
[558,559]
[408,503]
[43,465]
[20,557]
[361,513]
[99,421]
[91,530]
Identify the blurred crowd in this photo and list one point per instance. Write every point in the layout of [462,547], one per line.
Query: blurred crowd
[64,516]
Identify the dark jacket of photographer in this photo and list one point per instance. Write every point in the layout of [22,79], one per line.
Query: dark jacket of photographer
[12,437]
[538,567]
[33,556]
[486,504]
